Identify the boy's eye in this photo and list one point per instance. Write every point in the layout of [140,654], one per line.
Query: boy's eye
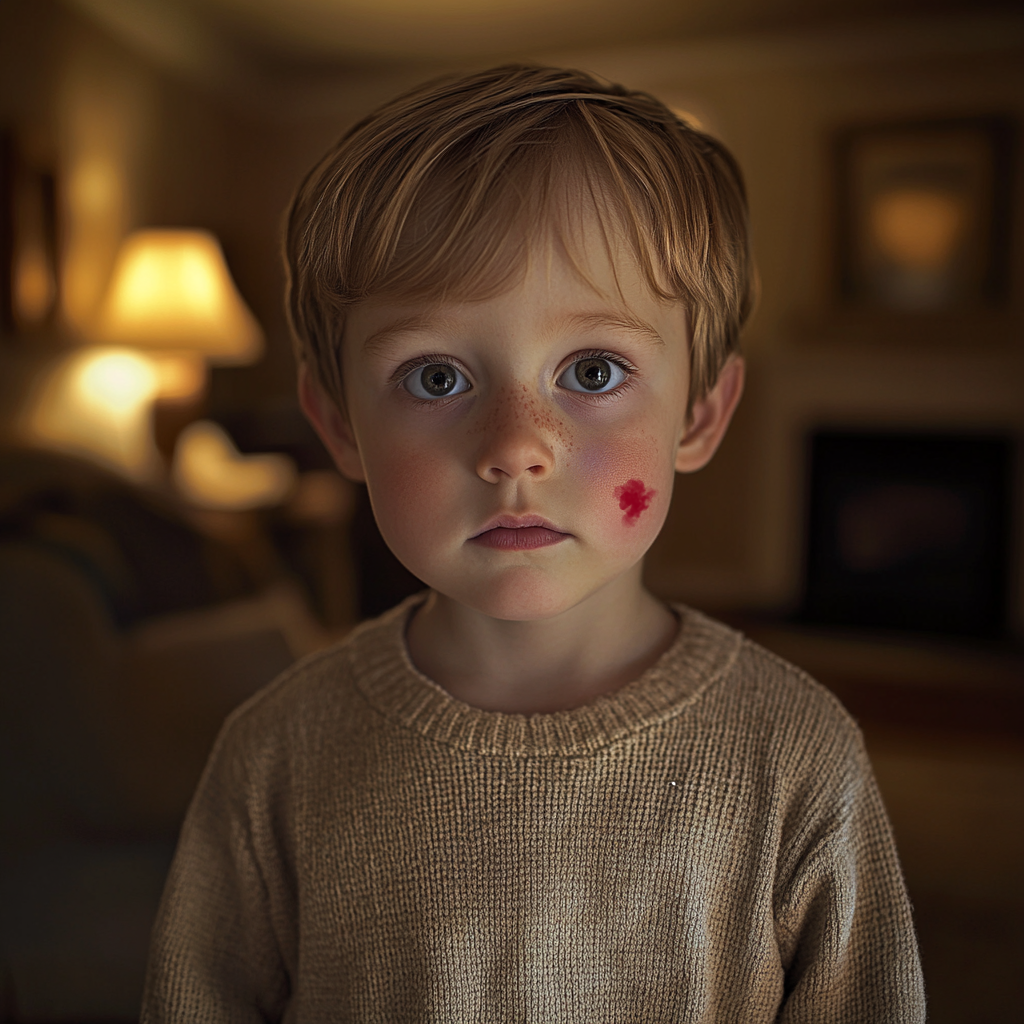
[436,380]
[592,374]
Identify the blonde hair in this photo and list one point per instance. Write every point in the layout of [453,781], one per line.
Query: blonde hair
[439,192]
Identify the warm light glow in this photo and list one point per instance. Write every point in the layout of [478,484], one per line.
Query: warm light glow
[181,377]
[34,286]
[96,203]
[210,472]
[321,496]
[690,118]
[96,403]
[115,382]
[94,186]
[918,228]
[172,290]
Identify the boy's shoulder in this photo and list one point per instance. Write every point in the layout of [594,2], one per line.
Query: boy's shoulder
[323,683]
[718,662]
[759,690]
[769,676]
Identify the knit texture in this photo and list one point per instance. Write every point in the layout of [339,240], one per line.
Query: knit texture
[705,844]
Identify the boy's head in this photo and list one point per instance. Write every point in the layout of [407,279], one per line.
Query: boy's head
[516,296]
[440,192]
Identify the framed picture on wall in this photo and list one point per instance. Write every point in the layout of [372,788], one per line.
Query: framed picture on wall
[924,213]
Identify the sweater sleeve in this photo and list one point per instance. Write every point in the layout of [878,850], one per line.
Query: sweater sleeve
[214,955]
[844,923]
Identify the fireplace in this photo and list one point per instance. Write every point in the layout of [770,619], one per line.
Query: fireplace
[909,531]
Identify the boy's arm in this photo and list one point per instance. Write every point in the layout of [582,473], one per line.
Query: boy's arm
[215,954]
[844,923]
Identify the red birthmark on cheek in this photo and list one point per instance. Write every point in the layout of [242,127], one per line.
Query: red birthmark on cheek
[634,498]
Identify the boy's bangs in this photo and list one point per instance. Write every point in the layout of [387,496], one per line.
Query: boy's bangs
[466,239]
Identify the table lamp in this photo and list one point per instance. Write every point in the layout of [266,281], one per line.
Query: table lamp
[171,309]
[171,291]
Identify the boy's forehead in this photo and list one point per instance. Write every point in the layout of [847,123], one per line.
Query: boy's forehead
[588,279]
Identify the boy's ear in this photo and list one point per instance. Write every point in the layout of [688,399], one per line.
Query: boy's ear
[710,418]
[331,425]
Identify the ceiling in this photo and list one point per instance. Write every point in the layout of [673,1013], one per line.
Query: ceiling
[296,59]
[448,29]
[318,32]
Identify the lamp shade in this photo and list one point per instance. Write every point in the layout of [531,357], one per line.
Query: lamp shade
[172,290]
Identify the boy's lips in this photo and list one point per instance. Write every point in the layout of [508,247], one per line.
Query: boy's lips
[518,533]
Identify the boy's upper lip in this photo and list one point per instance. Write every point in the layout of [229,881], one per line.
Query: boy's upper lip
[506,521]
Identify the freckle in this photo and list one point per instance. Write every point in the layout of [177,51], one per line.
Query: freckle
[634,498]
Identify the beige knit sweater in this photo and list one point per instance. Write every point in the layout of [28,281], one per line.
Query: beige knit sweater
[706,844]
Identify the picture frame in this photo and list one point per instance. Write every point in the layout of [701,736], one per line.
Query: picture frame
[924,214]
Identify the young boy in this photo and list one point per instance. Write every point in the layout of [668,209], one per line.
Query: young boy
[533,793]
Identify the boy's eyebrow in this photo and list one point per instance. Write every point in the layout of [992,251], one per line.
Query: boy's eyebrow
[406,324]
[625,322]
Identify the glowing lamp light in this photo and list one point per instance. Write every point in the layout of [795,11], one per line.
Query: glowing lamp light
[211,473]
[33,285]
[171,290]
[181,375]
[96,403]
[918,228]
[116,382]
[171,309]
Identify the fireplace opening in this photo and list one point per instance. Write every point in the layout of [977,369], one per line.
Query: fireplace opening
[909,531]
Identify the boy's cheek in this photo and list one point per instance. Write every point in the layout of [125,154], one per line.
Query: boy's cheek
[630,482]
[414,486]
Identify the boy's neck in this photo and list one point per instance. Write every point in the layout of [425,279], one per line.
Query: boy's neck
[542,665]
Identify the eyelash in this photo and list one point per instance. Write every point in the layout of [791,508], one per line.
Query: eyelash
[425,360]
[397,379]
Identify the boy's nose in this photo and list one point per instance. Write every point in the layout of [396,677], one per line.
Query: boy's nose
[515,448]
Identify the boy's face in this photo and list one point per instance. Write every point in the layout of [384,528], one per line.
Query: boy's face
[519,451]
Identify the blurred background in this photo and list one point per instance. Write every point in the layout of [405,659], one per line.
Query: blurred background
[172,535]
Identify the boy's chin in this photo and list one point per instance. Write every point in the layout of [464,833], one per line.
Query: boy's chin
[517,598]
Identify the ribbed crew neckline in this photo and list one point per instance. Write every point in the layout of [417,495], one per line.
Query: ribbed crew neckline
[702,652]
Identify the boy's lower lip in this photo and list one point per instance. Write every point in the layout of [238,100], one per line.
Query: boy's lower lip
[523,538]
